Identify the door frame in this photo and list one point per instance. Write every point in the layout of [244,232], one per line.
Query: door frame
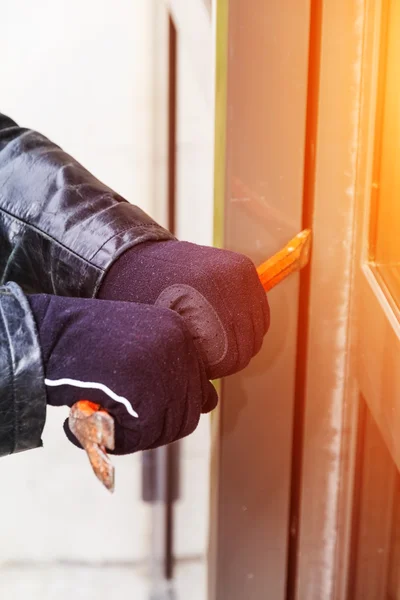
[235,491]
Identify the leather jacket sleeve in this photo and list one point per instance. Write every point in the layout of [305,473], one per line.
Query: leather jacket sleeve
[22,387]
[60,228]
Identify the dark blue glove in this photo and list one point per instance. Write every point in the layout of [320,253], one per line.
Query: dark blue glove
[217,292]
[138,362]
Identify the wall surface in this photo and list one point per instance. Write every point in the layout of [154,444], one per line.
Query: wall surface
[194,222]
[81,73]
[92,77]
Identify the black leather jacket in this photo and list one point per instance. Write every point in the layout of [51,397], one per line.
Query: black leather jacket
[60,230]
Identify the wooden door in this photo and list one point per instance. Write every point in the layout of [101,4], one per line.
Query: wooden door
[375,567]
[347,541]
[306,486]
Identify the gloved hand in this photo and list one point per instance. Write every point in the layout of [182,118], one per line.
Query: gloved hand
[155,382]
[217,292]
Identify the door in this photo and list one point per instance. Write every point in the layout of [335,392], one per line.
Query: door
[346,545]
[306,484]
[375,556]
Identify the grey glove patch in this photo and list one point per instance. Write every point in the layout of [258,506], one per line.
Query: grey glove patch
[201,318]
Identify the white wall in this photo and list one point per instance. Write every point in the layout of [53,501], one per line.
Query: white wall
[194,223]
[90,74]
[79,71]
